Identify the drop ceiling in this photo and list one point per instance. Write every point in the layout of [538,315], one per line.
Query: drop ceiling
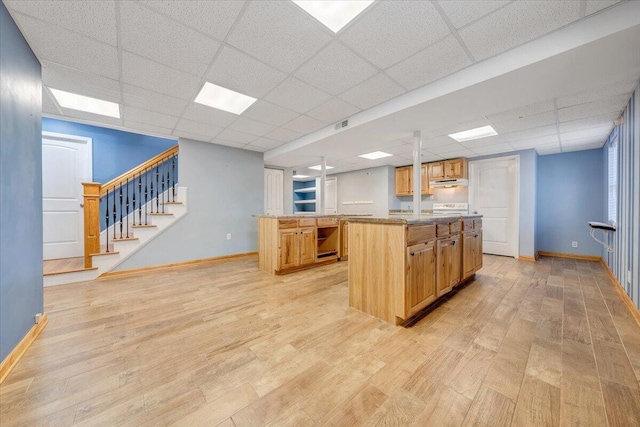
[549,75]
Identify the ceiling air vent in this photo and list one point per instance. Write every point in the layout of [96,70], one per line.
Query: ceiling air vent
[342,124]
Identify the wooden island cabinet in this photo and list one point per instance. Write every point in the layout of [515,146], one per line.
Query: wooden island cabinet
[399,266]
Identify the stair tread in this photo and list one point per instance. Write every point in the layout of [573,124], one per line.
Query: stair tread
[77,270]
[160,213]
[172,203]
[124,239]
[104,253]
[143,226]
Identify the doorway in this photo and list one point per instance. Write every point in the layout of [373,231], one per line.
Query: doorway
[66,163]
[493,193]
[273,191]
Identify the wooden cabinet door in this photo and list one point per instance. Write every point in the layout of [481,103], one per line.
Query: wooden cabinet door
[443,261]
[421,277]
[456,168]
[477,253]
[345,240]
[424,175]
[308,245]
[468,250]
[288,248]
[404,181]
[436,170]
[455,260]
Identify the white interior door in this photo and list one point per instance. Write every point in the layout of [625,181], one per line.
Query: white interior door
[273,191]
[331,196]
[494,194]
[66,163]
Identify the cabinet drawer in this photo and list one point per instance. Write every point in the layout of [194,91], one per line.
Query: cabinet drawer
[454,227]
[287,223]
[419,233]
[467,225]
[477,224]
[327,221]
[307,222]
[442,229]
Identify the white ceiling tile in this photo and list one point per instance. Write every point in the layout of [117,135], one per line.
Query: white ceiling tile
[269,113]
[527,122]
[517,113]
[197,128]
[399,150]
[447,148]
[278,33]
[548,149]
[431,157]
[463,12]
[196,137]
[235,136]
[134,114]
[503,147]
[297,96]
[251,126]
[95,19]
[284,135]
[218,141]
[484,142]
[438,141]
[141,127]
[56,44]
[235,70]
[438,60]
[72,80]
[47,98]
[535,142]
[588,123]
[202,113]
[598,93]
[255,148]
[51,109]
[214,18]
[304,124]
[150,75]
[156,37]
[91,118]
[594,108]
[581,147]
[335,69]
[531,133]
[374,91]
[517,23]
[457,153]
[599,132]
[459,127]
[390,31]
[333,111]
[266,143]
[594,6]
[152,101]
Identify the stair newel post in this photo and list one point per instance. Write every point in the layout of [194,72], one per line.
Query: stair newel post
[173,178]
[157,188]
[139,198]
[127,207]
[91,199]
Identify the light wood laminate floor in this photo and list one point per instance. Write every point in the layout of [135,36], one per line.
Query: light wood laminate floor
[546,343]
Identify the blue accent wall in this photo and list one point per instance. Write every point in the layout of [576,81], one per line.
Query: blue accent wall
[20,186]
[570,194]
[114,151]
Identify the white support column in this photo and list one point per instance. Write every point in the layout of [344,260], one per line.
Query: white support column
[417,173]
[323,184]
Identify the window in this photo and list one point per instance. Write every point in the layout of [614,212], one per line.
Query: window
[612,199]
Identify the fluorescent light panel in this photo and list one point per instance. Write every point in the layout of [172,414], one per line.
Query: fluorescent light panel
[300,176]
[319,167]
[86,103]
[375,155]
[476,133]
[223,99]
[333,14]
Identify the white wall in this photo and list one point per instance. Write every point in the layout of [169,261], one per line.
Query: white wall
[225,187]
[373,185]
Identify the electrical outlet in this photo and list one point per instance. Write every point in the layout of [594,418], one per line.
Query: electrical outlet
[228,236]
[574,244]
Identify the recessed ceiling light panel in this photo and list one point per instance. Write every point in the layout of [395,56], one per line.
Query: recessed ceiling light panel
[333,14]
[375,155]
[223,99]
[298,176]
[476,133]
[319,167]
[86,103]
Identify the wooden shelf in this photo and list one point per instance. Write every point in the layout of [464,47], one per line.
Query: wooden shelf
[303,202]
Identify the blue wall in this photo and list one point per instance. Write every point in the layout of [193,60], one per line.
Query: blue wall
[570,194]
[20,186]
[114,151]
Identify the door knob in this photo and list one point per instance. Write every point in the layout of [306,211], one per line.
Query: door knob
[82,205]
[475,212]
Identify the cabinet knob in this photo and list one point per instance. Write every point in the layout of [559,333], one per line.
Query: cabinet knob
[412,253]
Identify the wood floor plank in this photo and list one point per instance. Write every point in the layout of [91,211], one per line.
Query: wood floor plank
[538,404]
[446,408]
[581,406]
[490,409]
[622,404]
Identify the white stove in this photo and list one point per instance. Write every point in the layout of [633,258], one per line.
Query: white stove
[450,208]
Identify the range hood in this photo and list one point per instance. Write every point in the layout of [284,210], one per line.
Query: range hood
[449,183]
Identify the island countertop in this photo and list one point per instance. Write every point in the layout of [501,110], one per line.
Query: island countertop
[410,219]
[298,216]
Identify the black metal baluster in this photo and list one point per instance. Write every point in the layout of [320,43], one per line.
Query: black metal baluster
[133,190]
[140,198]
[164,166]
[115,215]
[146,200]
[157,189]
[127,208]
[173,178]
[121,211]
[152,195]
[107,218]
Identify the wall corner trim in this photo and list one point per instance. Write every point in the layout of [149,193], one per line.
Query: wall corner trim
[16,354]
[635,312]
[529,258]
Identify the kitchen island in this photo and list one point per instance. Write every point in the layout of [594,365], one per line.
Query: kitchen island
[401,264]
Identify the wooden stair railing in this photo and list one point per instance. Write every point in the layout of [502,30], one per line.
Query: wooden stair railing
[133,189]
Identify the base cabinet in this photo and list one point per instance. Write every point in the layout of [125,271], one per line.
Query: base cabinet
[449,260]
[297,247]
[421,277]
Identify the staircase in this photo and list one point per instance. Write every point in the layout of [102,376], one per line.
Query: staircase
[129,224]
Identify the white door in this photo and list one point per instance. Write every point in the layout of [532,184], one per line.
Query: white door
[273,191]
[493,193]
[66,163]
[331,196]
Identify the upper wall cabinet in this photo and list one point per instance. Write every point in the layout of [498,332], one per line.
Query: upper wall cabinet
[448,169]
[404,181]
